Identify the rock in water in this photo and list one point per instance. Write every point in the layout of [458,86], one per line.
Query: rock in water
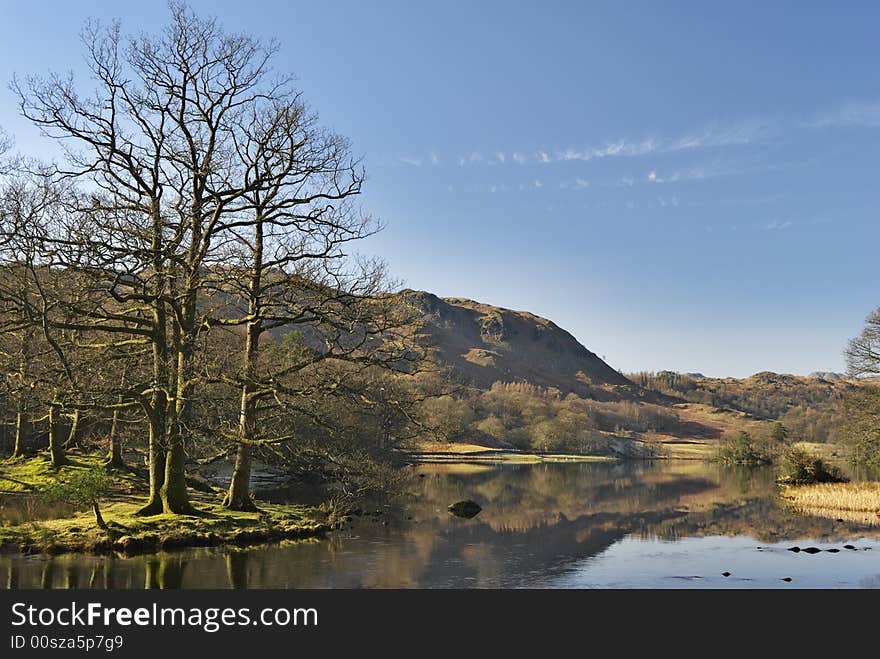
[811,550]
[466,509]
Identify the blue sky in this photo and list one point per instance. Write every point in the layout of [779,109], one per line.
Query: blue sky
[680,185]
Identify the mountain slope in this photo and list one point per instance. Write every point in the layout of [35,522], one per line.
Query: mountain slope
[480,344]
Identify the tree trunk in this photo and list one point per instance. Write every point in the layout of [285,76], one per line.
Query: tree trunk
[56,450]
[72,436]
[156,456]
[239,496]
[21,425]
[19,450]
[99,520]
[175,498]
[157,410]
[114,453]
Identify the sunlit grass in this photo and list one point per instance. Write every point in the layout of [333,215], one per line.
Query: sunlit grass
[861,497]
[457,448]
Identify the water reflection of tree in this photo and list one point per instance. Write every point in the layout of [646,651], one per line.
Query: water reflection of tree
[236,569]
[537,522]
[164,572]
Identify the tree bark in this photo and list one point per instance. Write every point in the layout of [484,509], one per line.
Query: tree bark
[19,450]
[72,436]
[56,450]
[114,452]
[239,496]
[157,409]
[156,456]
[175,498]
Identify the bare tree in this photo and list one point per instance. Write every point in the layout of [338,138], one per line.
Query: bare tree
[863,352]
[207,200]
[154,150]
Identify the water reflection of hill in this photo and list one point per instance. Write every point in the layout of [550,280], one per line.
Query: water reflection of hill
[537,521]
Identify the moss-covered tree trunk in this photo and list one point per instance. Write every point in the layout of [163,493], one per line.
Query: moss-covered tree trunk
[114,451]
[19,450]
[56,449]
[156,455]
[238,497]
[175,498]
[157,408]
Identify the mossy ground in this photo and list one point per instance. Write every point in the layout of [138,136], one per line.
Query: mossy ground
[130,533]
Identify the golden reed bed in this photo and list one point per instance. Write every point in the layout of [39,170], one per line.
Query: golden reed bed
[855,502]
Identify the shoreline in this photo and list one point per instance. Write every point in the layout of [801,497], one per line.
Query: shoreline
[131,534]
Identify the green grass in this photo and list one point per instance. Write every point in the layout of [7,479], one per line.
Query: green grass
[130,533]
[35,474]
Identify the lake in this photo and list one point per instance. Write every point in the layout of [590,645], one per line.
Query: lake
[666,524]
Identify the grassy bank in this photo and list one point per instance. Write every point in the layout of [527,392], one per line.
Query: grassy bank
[858,501]
[131,534]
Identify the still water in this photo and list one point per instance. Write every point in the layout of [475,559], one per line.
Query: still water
[579,525]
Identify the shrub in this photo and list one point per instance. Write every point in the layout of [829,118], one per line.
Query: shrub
[743,450]
[802,468]
[83,489]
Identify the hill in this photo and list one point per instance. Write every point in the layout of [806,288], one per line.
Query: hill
[531,385]
[480,344]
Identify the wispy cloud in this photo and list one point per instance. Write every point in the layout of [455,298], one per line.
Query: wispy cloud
[712,136]
[472,158]
[671,201]
[778,225]
[849,114]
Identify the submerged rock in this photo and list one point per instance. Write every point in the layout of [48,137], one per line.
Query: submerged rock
[849,547]
[725,574]
[794,549]
[786,579]
[811,550]
[466,509]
